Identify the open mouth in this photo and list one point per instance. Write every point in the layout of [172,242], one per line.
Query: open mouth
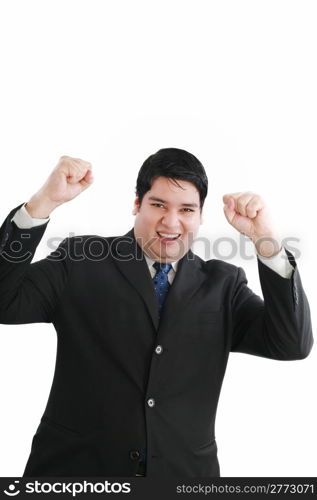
[167,238]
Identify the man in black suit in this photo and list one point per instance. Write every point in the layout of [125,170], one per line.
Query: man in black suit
[144,326]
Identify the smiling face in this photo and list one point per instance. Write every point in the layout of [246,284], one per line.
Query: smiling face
[168,219]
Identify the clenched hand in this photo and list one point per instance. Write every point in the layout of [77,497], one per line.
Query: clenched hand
[70,177]
[248,214]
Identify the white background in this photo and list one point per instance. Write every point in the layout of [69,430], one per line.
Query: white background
[233,82]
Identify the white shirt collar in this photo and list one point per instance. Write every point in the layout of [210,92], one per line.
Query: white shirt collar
[150,262]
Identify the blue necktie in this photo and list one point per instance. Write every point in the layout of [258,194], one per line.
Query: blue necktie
[161,284]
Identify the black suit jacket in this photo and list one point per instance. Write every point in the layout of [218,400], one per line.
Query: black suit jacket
[99,295]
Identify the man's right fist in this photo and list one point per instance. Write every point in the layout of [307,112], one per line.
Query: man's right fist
[69,178]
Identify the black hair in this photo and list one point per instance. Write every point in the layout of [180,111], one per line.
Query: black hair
[172,163]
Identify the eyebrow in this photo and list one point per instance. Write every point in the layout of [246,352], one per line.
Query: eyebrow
[193,205]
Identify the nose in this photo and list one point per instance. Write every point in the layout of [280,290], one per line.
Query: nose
[171,221]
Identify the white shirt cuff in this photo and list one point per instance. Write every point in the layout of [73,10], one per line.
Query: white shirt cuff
[24,220]
[278,263]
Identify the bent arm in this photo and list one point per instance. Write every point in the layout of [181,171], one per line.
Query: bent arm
[29,291]
[278,327]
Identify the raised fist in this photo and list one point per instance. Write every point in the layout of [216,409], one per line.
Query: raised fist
[69,178]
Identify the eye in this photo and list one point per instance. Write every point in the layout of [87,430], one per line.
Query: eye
[160,205]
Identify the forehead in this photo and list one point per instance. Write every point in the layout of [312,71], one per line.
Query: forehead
[167,188]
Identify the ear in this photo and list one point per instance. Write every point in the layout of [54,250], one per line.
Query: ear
[136,206]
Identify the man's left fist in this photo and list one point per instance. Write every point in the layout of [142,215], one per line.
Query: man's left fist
[248,214]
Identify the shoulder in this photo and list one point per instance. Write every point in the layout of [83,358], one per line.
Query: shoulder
[91,246]
[218,267]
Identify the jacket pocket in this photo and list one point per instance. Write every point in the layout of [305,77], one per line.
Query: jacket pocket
[60,427]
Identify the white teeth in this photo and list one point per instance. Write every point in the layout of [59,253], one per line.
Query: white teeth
[171,236]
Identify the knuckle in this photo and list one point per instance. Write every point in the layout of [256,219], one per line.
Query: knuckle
[256,200]
[241,205]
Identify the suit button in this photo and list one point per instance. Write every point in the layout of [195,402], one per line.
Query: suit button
[134,455]
[151,402]
[159,349]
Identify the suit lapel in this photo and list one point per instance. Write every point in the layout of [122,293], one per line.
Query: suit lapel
[188,279]
[131,263]
[130,260]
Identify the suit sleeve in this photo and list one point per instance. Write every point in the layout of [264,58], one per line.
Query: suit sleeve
[29,292]
[278,327]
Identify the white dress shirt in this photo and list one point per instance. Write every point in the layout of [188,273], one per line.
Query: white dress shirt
[171,273]
[278,263]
